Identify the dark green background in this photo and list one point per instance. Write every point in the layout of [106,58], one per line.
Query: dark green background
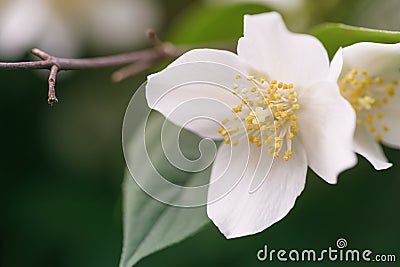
[61,170]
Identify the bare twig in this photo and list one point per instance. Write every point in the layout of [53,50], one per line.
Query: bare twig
[89,63]
[52,83]
[40,54]
[137,61]
[131,70]
[153,38]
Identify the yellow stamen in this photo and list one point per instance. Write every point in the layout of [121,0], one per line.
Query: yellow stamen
[370,119]
[390,90]
[364,93]
[225,121]
[234,129]
[296,107]
[385,128]
[272,119]
[238,109]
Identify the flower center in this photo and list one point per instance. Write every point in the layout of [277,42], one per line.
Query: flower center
[367,95]
[268,112]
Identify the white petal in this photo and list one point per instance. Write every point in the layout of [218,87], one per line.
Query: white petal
[366,145]
[326,128]
[203,90]
[268,46]
[241,212]
[378,59]
[336,66]
[211,55]
[391,112]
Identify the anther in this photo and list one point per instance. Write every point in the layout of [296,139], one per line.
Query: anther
[379,80]
[385,128]
[225,121]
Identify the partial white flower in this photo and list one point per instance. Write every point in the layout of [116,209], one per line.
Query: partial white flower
[282,108]
[62,27]
[369,80]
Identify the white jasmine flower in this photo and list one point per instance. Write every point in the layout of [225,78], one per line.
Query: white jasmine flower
[283,108]
[369,80]
[62,27]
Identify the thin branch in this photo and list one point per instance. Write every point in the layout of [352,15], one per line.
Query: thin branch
[131,70]
[89,63]
[137,67]
[52,83]
[156,42]
[26,65]
[137,61]
[40,54]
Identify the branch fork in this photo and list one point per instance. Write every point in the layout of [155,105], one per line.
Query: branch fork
[137,61]
[52,98]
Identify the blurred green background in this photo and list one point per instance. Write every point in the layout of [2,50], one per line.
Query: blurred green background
[62,167]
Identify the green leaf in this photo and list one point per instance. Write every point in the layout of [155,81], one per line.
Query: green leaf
[334,36]
[150,225]
[209,24]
